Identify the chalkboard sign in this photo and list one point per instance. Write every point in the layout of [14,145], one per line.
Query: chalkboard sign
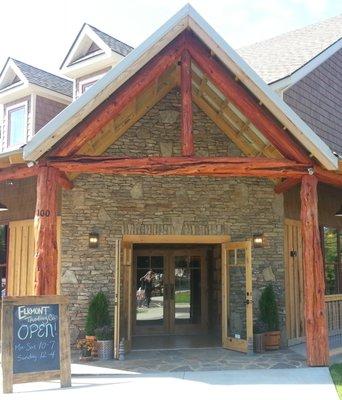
[35,338]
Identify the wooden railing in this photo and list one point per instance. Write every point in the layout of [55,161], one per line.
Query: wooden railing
[334,313]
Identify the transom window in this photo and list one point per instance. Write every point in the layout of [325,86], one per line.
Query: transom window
[17,125]
[332,253]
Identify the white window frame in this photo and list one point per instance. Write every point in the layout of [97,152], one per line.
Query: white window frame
[9,109]
[84,82]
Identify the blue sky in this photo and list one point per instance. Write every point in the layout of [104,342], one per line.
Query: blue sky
[41,31]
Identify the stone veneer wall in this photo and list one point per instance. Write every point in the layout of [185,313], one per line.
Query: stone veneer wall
[118,205]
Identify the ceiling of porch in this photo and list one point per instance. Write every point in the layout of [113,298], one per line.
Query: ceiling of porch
[206,96]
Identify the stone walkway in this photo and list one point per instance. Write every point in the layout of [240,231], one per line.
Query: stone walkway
[213,359]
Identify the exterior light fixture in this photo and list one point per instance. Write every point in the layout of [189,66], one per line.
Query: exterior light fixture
[93,240]
[339,212]
[258,240]
[3,207]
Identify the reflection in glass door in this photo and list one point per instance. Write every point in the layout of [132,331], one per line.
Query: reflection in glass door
[187,292]
[150,302]
[170,291]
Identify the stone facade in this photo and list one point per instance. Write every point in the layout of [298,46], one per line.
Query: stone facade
[118,205]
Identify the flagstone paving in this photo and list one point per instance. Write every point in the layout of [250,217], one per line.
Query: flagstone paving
[212,359]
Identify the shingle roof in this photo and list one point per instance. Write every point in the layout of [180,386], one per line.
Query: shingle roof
[115,44]
[45,79]
[280,56]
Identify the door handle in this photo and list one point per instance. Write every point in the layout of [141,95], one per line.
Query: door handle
[247,301]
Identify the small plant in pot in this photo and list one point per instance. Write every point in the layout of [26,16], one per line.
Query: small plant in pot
[97,317]
[87,347]
[104,342]
[269,316]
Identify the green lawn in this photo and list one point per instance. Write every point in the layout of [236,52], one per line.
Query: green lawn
[336,374]
[183,297]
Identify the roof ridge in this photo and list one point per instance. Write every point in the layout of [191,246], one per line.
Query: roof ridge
[118,40]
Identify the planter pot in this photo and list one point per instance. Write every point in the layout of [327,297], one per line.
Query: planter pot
[105,349]
[272,340]
[259,342]
[93,340]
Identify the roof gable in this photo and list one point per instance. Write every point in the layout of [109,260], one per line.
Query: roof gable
[185,19]
[16,72]
[90,42]
[11,76]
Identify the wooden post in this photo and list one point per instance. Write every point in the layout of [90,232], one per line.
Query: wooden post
[314,287]
[186,123]
[45,232]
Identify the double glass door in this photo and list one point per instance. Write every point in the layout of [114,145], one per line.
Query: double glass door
[170,291]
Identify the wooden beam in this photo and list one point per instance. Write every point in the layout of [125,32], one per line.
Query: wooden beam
[109,109]
[329,177]
[112,132]
[245,102]
[45,232]
[314,287]
[232,133]
[63,181]
[286,185]
[19,171]
[187,139]
[225,115]
[192,166]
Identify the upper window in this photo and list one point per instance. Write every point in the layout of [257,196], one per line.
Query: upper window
[332,251]
[87,85]
[17,125]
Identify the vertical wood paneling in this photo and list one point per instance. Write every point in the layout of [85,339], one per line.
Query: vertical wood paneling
[294,281]
[20,258]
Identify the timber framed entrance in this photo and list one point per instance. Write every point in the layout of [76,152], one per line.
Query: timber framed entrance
[179,303]
[125,310]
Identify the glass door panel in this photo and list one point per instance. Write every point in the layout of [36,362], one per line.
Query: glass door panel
[187,295]
[236,316]
[237,303]
[150,301]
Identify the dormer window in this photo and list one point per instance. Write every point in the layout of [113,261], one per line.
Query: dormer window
[83,84]
[17,125]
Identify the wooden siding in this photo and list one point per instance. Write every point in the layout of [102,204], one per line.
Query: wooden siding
[317,99]
[294,300]
[20,278]
[46,109]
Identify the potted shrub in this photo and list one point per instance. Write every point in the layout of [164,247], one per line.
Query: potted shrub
[97,317]
[104,342]
[269,316]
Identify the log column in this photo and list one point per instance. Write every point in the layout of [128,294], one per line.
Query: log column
[45,232]
[186,96]
[314,286]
